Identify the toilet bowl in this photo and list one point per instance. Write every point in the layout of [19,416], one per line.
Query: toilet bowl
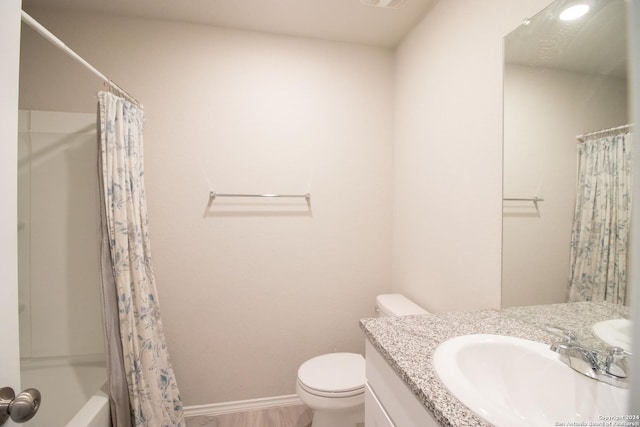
[332,385]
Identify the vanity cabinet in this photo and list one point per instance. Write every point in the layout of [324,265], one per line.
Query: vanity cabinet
[375,415]
[388,400]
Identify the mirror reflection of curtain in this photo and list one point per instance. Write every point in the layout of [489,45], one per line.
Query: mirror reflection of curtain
[600,234]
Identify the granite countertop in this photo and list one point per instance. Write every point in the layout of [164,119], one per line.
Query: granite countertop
[577,317]
[407,343]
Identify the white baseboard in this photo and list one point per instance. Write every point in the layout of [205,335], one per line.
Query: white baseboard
[214,409]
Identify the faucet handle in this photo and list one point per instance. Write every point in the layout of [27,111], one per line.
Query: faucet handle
[581,359]
[566,335]
[617,362]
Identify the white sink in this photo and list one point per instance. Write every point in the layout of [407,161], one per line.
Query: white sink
[510,381]
[615,332]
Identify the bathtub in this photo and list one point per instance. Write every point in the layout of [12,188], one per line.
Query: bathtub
[73,390]
[95,412]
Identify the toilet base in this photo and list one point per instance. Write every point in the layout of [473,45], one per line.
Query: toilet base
[334,412]
[339,418]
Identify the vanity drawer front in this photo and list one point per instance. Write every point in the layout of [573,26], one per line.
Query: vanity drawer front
[396,399]
[374,415]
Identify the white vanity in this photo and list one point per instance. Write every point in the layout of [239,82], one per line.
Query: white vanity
[388,400]
[403,389]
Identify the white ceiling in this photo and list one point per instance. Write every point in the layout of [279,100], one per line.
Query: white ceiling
[338,20]
[595,44]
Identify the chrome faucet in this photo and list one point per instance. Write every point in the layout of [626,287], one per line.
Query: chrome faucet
[612,369]
[617,363]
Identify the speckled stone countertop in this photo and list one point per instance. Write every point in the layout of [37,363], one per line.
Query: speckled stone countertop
[408,343]
[577,317]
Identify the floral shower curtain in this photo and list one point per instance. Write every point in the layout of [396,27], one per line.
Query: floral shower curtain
[143,389]
[602,220]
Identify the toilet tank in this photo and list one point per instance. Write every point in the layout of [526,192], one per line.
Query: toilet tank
[397,305]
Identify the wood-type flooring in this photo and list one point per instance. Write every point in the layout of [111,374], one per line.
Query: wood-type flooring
[285,416]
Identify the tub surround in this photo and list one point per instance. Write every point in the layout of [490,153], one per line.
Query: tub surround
[407,343]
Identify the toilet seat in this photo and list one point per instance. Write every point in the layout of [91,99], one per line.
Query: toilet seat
[334,375]
[331,394]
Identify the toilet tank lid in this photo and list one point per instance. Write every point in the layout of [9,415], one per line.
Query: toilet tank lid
[398,305]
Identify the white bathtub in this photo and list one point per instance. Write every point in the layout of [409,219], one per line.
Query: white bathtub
[72,388]
[95,412]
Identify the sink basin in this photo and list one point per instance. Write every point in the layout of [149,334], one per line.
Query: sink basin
[509,381]
[615,332]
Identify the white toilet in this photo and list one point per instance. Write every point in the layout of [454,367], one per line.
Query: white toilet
[332,385]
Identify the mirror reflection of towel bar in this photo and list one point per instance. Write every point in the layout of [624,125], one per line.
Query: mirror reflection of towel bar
[534,199]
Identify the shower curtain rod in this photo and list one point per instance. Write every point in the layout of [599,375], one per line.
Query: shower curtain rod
[49,36]
[604,132]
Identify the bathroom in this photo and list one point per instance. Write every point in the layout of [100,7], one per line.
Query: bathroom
[249,291]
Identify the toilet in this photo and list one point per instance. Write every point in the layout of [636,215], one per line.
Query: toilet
[332,385]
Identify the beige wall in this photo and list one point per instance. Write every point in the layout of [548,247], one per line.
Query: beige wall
[248,291]
[448,163]
[544,111]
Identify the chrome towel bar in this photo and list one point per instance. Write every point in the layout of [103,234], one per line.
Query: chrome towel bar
[213,195]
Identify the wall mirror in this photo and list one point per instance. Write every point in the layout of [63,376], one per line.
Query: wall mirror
[561,79]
